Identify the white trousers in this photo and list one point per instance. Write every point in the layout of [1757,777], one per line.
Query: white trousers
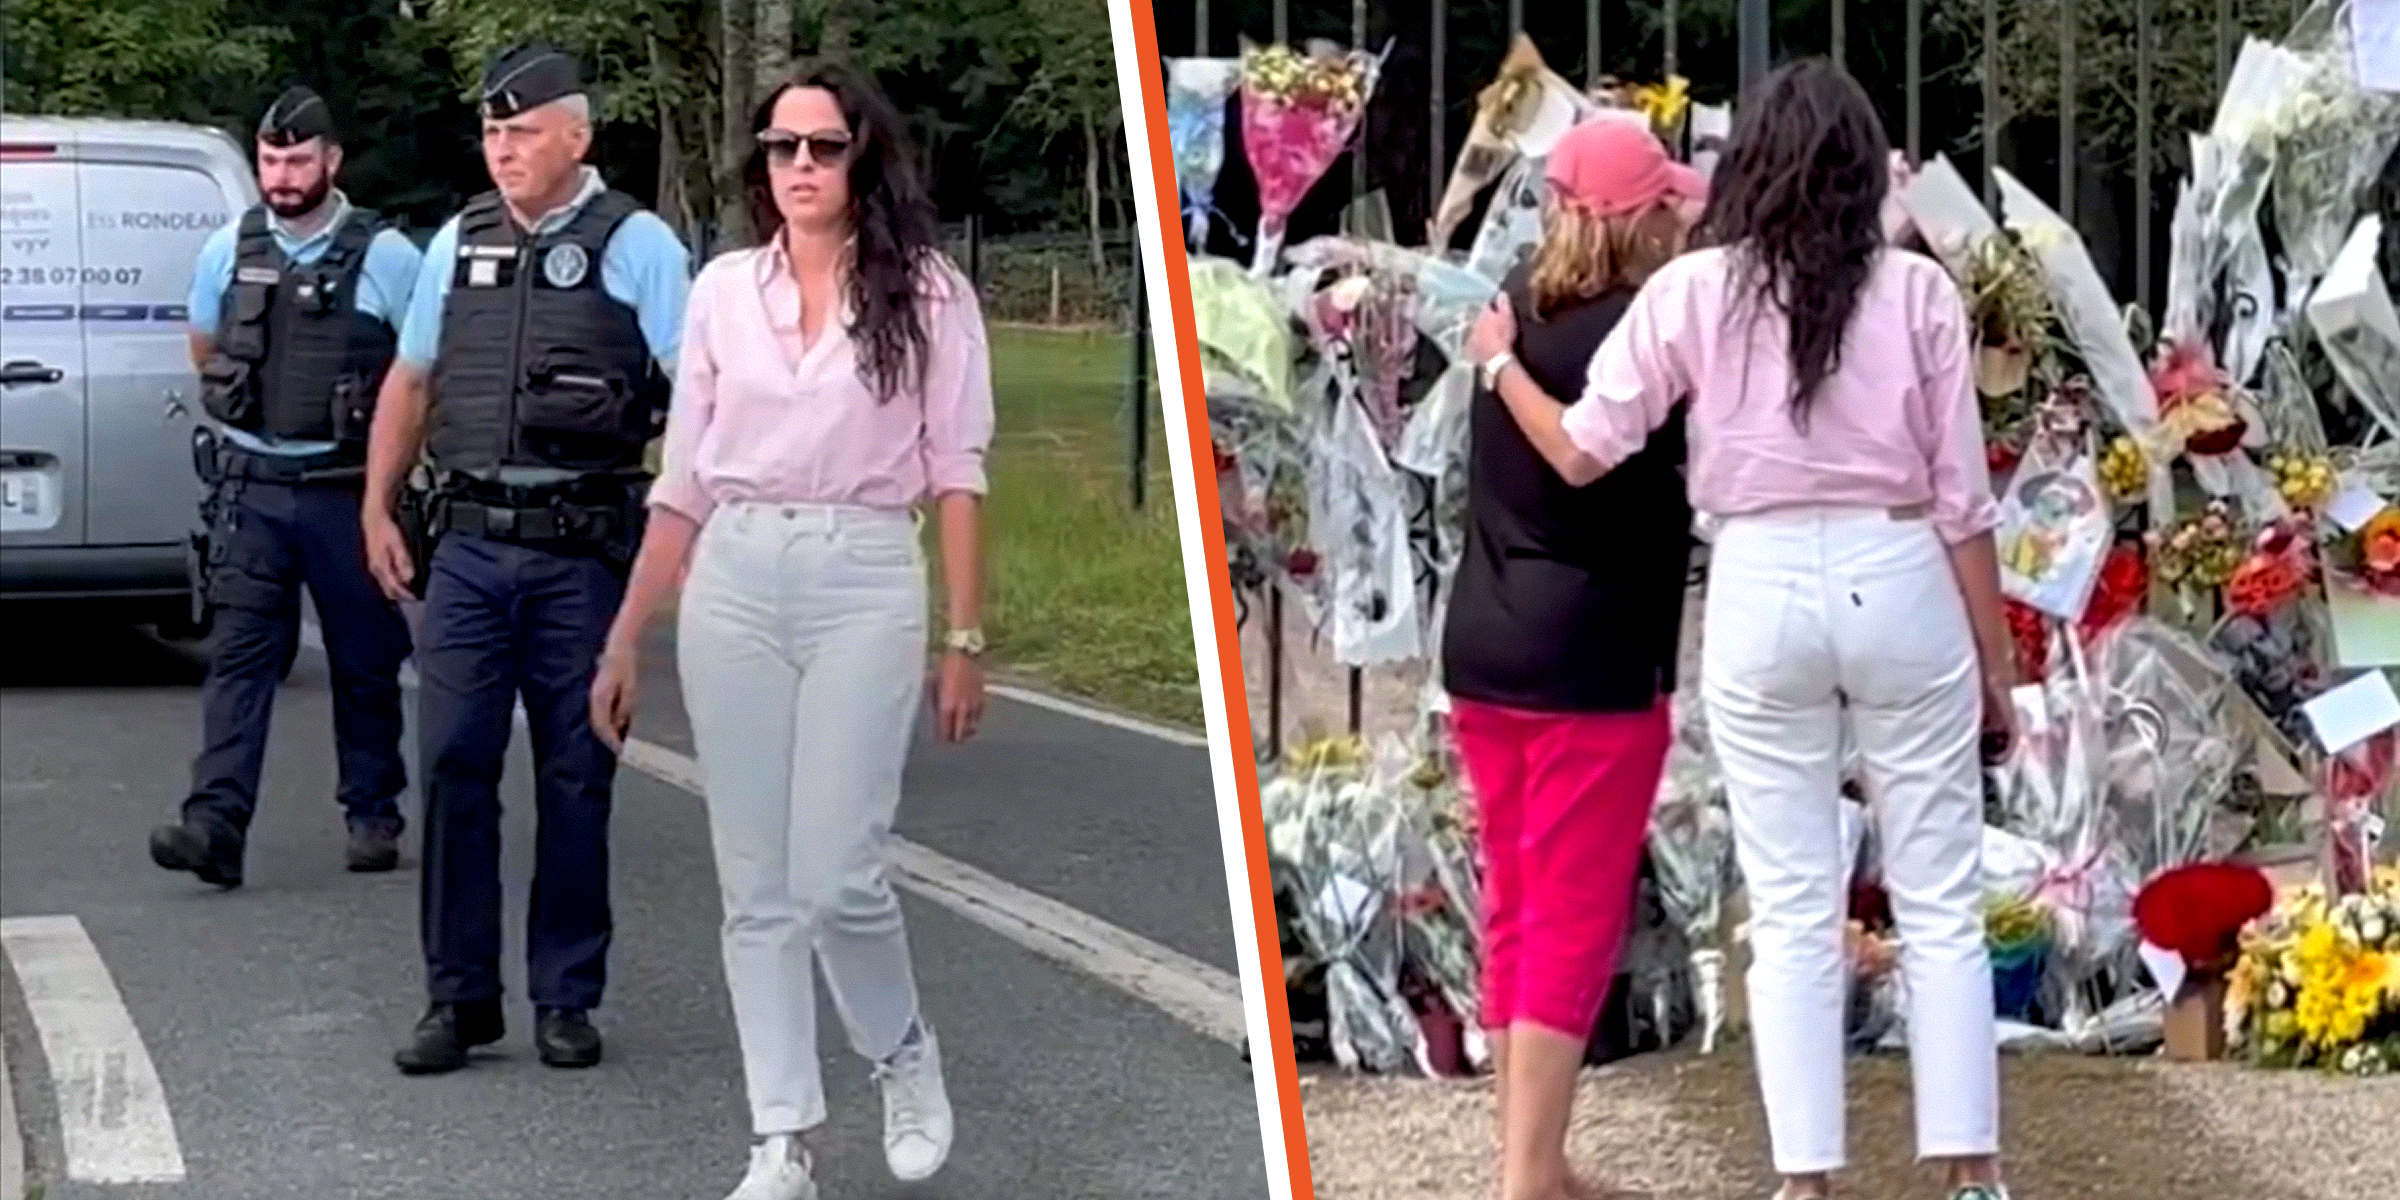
[1817,616]
[802,639]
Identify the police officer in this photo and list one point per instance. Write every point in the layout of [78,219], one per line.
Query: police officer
[293,311]
[533,368]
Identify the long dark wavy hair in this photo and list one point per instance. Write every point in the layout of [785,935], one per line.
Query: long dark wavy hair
[1798,201]
[897,228]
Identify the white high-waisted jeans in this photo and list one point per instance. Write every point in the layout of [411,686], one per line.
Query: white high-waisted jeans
[1809,608]
[801,640]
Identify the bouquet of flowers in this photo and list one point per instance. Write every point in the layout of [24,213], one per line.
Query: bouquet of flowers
[1196,92]
[1298,112]
[1334,844]
[1691,849]
[2317,982]
[2017,928]
[2008,300]
[2368,559]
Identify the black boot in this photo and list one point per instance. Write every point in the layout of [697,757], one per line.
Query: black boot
[446,1033]
[565,1038]
[373,849]
[212,854]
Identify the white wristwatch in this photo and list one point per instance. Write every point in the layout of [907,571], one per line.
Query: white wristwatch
[1491,367]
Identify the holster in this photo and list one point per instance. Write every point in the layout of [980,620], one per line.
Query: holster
[420,531]
[207,544]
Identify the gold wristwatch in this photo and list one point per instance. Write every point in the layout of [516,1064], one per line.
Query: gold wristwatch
[1491,367]
[964,641]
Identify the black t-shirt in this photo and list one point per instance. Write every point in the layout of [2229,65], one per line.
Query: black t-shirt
[1567,599]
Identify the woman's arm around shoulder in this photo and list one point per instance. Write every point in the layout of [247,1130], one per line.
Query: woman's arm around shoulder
[1642,370]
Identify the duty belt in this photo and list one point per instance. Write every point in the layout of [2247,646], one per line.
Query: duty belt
[335,467]
[560,522]
[592,510]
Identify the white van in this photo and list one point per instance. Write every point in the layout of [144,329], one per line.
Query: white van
[100,223]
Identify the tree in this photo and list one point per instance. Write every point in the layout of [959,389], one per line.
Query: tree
[1074,87]
[2183,80]
[155,58]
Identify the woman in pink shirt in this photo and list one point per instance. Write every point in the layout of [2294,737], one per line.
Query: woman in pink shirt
[1837,449]
[831,380]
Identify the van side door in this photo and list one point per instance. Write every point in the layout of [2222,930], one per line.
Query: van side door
[146,216]
[42,459]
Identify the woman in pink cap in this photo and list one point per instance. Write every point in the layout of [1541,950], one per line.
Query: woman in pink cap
[1559,650]
[1824,379]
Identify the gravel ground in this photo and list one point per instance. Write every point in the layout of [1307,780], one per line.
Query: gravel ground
[1691,1128]
[2077,1129]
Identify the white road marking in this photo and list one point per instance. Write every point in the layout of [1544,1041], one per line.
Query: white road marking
[1199,995]
[1100,716]
[1191,991]
[112,1111]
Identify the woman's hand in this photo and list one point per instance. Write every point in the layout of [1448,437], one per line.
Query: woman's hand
[613,689]
[958,696]
[1494,332]
[1999,709]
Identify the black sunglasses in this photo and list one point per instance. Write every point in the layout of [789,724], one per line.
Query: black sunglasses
[824,149]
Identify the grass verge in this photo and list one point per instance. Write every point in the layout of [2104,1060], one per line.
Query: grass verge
[1085,593]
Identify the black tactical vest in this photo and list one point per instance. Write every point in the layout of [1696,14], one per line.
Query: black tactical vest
[539,366]
[295,358]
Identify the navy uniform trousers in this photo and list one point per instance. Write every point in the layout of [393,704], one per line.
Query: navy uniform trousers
[505,621]
[279,538]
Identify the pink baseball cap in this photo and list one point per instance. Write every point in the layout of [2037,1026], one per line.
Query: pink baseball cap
[1610,167]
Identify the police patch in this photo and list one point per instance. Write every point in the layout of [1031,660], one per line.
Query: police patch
[565,265]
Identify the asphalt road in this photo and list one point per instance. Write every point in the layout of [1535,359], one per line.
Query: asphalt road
[270,1013]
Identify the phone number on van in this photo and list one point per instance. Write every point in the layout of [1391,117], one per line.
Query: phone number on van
[39,276]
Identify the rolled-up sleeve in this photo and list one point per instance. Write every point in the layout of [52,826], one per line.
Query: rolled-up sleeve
[1636,377]
[679,486]
[958,390]
[1949,419]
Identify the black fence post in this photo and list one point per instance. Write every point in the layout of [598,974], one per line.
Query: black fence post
[1137,409]
[975,249]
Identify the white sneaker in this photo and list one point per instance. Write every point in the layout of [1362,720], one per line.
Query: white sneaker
[779,1170]
[916,1111]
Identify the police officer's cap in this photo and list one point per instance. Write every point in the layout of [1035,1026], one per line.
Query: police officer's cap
[528,76]
[296,116]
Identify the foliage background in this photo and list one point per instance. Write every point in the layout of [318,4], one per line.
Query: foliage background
[1013,101]
[1398,146]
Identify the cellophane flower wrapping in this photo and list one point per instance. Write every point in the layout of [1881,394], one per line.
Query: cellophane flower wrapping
[1298,113]
[2172,748]
[1335,831]
[2096,328]
[2361,786]
[1691,852]
[1445,894]
[1197,89]
[2054,793]
[1512,226]
[2330,137]
[1358,522]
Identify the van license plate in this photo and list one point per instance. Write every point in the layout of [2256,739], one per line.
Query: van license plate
[26,501]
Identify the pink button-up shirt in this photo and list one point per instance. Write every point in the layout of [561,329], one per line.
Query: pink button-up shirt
[1895,425]
[761,415]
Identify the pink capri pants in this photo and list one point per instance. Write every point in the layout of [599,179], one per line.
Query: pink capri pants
[1563,803]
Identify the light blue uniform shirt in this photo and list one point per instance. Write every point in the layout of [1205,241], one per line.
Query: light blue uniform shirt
[384,283]
[644,267]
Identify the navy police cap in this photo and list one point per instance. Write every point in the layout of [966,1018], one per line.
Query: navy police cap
[528,76]
[296,116]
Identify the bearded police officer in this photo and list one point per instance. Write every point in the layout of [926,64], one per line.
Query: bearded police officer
[293,310]
[533,370]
